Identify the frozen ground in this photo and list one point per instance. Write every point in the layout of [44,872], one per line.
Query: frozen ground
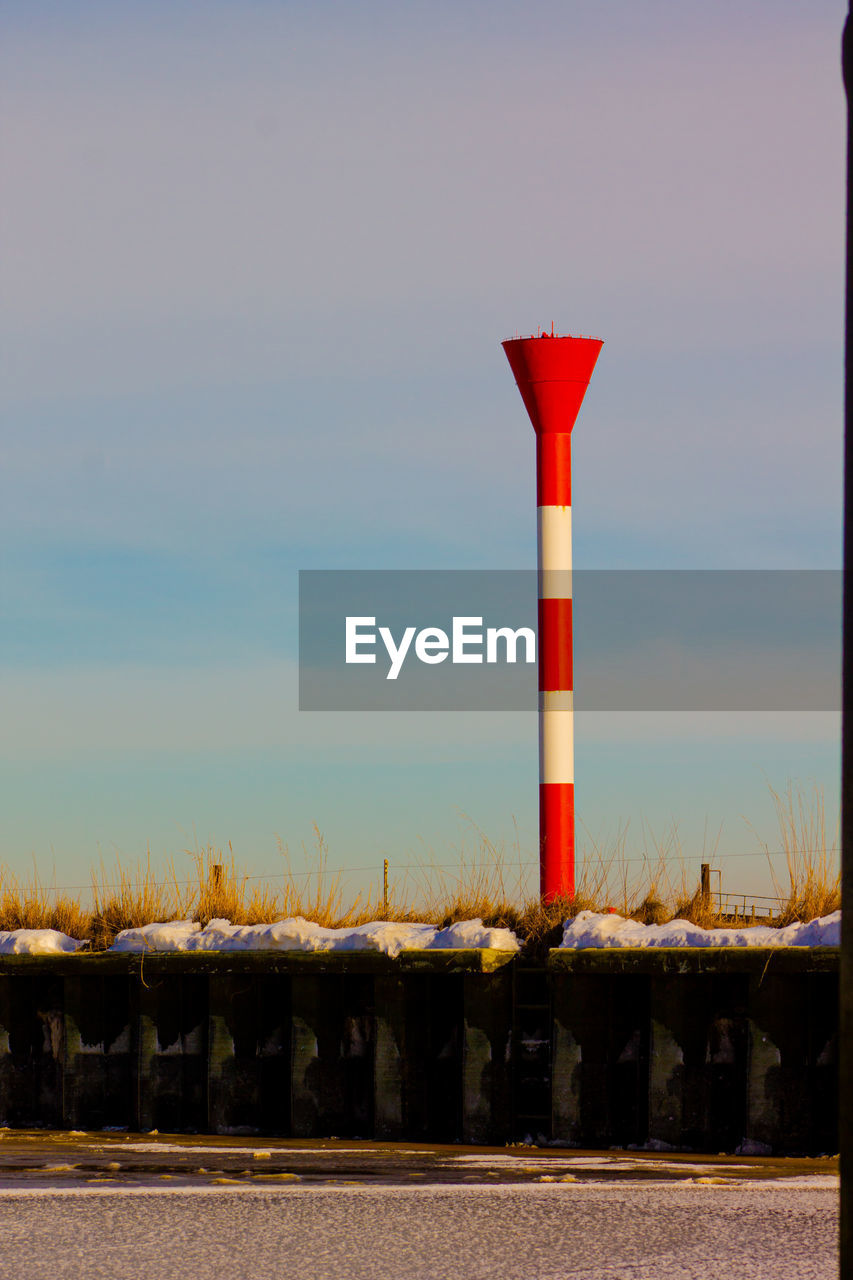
[128,1205]
[36,1159]
[594,1231]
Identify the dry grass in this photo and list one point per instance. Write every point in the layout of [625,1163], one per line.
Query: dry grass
[317,894]
[812,865]
[30,904]
[489,884]
[219,892]
[128,900]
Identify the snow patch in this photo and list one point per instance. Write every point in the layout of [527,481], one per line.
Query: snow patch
[36,942]
[297,934]
[195,1148]
[173,936]
[591,929]
[473,933]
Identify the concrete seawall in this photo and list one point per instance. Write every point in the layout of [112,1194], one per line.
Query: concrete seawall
[701,1049]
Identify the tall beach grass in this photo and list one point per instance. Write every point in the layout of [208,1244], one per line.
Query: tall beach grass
[489,883]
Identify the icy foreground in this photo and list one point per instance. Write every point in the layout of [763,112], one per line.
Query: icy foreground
[622,1232]
[590,929]
[298,934]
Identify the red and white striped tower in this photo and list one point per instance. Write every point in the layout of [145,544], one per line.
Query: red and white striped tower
[552,374]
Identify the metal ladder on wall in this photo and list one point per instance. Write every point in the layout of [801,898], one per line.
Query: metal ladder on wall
[531,1054]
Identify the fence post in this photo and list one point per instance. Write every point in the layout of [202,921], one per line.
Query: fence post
[705,883]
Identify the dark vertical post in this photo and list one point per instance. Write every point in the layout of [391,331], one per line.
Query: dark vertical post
[845,1092]
[486,1091]
[389,999]
[315,1018]
[578,1106]
[705,882]
[222,989]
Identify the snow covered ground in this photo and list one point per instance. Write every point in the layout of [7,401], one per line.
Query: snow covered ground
[298,934]
[591,929]
[588,929]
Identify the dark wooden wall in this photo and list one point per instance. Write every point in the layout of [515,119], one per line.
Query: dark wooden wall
[701,1050]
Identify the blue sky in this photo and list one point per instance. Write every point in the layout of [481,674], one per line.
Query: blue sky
[260,260]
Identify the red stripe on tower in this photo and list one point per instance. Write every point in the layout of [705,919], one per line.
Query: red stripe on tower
[555,643]
[554,470]
[552,374]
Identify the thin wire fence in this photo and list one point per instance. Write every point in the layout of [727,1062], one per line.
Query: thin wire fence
[463,865]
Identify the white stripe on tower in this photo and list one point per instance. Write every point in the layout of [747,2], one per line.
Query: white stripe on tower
[556,705]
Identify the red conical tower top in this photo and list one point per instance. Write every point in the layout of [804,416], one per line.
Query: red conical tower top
[552,374]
